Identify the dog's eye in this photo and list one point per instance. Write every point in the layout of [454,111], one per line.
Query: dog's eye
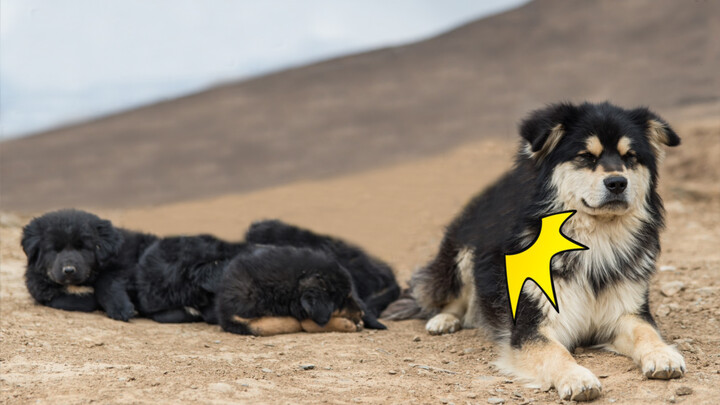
[588,157]
[630,156]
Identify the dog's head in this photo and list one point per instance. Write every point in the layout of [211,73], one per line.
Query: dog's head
[327,291]
[69,245]
[600,159]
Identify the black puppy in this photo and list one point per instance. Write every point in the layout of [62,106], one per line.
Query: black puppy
[79,262]
[178,277]
[273,290]
[373,280]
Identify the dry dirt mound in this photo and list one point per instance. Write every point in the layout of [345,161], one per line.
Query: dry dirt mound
[381,107]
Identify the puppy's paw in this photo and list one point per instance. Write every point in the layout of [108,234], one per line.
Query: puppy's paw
[579,384]
[121,313]
[443,323]
[344,325]
[663,363]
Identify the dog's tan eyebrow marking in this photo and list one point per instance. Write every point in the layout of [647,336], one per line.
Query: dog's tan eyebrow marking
[593,145]
[623,145]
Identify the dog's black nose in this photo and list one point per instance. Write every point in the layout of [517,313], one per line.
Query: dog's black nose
[616,184]
[68,269]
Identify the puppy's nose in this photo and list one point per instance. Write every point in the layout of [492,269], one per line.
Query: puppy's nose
[616,184]
[68,269]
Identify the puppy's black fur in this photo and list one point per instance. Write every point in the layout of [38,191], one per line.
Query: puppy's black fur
[272,282]
[80,262]
[178,277]
[373,280]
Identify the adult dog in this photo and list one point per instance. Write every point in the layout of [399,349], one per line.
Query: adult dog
[77,261]
[373,280]
[602,161]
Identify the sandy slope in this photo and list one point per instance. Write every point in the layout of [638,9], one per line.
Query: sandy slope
[49,356]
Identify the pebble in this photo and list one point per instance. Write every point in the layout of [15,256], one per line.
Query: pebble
[266,370]
[416,339]
[495,400]
[662,310]
[392,372]
[472,396]
[221,387]
[668,268]
[671,288]
[408,360]
[307,366]
[684,390]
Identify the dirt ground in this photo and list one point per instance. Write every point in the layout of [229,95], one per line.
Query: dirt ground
[55,357]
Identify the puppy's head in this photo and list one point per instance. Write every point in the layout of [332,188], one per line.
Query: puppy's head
[326,292]
[600,159]
[69,246]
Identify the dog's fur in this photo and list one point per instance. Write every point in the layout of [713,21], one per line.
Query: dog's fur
[373,280]
[571,157]
[77,261]
[279,289]
[178,277]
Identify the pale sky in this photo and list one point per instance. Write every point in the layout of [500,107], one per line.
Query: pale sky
[63,61]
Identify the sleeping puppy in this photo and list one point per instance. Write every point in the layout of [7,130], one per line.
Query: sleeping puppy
[178,276]
[277,289]
[373,280]
[79,262]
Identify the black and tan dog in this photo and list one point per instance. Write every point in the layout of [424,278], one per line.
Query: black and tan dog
[279,289]
[373,280]
[178,277]
[597,159]
[77,261]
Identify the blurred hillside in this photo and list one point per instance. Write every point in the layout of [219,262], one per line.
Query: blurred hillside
[377,108]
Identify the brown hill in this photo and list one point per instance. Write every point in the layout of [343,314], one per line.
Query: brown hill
[378,107]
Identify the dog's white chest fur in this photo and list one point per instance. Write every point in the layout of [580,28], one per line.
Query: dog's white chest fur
[583,313]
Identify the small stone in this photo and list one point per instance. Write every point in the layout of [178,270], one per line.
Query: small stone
[266,370]
[392,372]
[662,310]
[408,360]
[216,341]
[672,399]
[122,379]
[194,387]
[517,394]
[245,385]
[684,390]
[603,376]
[416,339]
[472,396]
[612,400]
[671,288]
[221,387]
[668,268]
[307,366]
[495,400]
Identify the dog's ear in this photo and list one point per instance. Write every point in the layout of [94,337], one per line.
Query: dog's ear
[544,128]
[31,241]
[107,242]
[657,130]
[317,306]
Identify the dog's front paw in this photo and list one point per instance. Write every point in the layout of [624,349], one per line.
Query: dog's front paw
[121,313]
[443,323]
[663,363]
[579,384]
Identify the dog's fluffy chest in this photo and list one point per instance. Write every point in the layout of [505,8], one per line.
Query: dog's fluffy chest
[587,313]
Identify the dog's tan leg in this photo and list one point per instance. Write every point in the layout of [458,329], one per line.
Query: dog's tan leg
[547,361]
[336,324]
[639,340]
[270,325]
[448,320]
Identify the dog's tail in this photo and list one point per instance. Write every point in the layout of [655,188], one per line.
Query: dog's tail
[377,302]
[405,307]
